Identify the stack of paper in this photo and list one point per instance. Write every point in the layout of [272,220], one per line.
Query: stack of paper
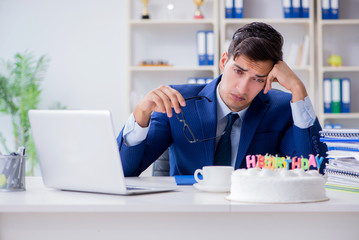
[343,155]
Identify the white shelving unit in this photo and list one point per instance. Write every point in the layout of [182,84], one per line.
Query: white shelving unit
[339,37]
[292,29]
[169,36]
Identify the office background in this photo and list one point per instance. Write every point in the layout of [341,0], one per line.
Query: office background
[85,41]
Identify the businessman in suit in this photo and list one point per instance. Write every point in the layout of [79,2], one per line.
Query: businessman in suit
[235,115]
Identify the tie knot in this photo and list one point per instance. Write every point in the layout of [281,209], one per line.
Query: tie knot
[232,117]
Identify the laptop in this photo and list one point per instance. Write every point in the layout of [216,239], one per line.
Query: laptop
[78,151]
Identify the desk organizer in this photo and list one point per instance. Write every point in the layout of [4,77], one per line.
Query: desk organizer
[12,173]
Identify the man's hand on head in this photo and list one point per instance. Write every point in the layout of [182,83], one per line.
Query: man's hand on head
[161,99]
[282,74]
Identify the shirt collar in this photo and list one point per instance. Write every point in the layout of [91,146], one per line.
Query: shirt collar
[223,110]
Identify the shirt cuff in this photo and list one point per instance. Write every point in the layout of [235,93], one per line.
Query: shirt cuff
[134,134]
[303,113]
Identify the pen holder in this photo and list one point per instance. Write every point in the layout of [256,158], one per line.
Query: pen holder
[12,173]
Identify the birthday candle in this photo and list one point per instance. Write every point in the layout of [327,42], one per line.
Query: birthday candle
[287,161]
[251,161]
[279,162]
[304,163]
[260,161]
[296,163]
[312,161]
[319,161]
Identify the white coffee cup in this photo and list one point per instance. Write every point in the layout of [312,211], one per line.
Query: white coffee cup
[214,176]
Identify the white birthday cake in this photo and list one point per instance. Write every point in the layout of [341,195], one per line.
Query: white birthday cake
[277,186]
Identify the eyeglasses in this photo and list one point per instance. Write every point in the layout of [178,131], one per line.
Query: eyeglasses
[188,133]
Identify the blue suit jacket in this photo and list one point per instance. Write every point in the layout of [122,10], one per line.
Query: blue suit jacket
[267,128]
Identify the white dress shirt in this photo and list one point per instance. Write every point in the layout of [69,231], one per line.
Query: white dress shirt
[302,111]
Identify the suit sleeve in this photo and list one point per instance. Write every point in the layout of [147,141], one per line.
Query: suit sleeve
[306,141]
[136,159]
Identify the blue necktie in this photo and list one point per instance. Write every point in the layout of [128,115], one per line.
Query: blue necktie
[223,155]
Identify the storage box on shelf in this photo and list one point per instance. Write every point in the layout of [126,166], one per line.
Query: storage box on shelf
[294,31]
[340,37]
[170,36]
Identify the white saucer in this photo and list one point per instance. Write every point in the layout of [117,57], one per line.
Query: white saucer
[206,188]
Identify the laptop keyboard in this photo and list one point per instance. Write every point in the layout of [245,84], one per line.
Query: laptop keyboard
[135,188]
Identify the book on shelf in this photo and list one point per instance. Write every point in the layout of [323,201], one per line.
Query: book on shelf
[296,8]
[343,155]
[205,47]
[336,95]
[305,8]
[210,47]
[334,9]
[238,8]
[199,80]
[233,8]
[330,9]
[201,48]
[298,54]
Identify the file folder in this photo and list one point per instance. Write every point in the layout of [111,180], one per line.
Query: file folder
[229,8]
[238,9]
[336,95]
[201,48]
[287,8]
[296,8]
[325,9]
[334,9]
[210,47]
[345,95]
[327,95]
[305,8]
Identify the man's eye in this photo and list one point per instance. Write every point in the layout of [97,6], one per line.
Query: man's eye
[259,80]
[238,71]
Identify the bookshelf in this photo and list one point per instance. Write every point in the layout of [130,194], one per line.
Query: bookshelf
[339,36]
[293,30]
[168,35]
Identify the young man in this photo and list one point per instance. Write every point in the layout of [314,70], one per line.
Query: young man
[194,121]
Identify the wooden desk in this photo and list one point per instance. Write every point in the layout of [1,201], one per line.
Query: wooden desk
[42,213]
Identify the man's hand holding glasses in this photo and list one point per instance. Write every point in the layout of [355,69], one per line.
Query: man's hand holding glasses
[161,99]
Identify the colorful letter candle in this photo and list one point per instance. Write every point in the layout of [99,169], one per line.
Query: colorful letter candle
[251,161]
[287,162]
[312,161]
[279,162]
[269,161]
[319,161]
[305,163]
[296,163]
[274,162]
[260,161]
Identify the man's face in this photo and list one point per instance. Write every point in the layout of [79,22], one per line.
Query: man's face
[242,80]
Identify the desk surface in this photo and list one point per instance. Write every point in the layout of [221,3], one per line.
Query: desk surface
[38,198]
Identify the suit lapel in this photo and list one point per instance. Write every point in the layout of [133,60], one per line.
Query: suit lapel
[252,119]
[207,114]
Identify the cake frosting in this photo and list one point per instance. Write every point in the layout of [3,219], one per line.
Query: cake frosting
[277,186]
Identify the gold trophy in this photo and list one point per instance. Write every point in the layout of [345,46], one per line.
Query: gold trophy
[197,13]
[145,9]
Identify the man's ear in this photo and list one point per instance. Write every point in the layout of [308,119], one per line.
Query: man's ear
[223,60]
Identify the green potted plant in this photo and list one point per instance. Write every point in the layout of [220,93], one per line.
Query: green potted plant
[19,92]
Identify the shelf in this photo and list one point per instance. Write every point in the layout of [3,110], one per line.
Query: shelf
[341,69]
[341,115]
[301,68]
[171,22]
[172,69]
[268,20]
[340,22]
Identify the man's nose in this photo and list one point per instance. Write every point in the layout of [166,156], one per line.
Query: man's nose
[243,85]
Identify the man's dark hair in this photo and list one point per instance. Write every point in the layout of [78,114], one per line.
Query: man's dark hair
[258,41]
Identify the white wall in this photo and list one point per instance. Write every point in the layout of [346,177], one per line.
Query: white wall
[86,41]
